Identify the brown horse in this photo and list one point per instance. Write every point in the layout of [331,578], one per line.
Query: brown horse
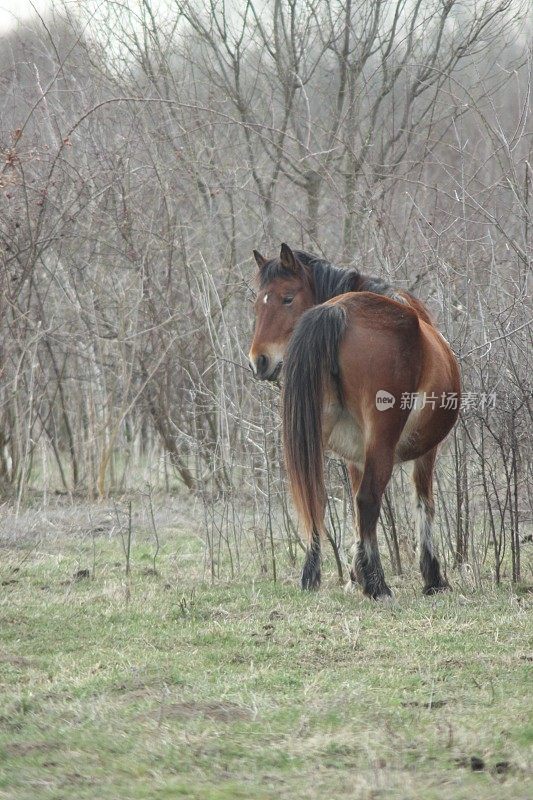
[367,375]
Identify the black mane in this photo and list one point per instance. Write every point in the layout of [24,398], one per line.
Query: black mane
[327,280]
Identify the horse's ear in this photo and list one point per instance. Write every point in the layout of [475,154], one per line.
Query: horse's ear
[287,259]
[259,259]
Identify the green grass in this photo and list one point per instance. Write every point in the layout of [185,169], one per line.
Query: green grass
[163,686]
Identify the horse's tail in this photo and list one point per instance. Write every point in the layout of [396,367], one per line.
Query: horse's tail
[311,367]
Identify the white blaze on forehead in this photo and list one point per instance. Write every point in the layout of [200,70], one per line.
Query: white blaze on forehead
[265,299]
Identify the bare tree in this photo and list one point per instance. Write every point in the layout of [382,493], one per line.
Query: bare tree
[146,149]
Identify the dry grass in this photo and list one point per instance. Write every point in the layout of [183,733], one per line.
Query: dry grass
[162,685]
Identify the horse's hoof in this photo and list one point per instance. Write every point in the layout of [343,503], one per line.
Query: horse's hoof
[310,583]
[383,593]
[443,586]
[386,599]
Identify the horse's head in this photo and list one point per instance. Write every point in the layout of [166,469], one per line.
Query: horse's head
[285,292]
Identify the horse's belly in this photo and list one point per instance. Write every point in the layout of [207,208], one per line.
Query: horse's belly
[345,439]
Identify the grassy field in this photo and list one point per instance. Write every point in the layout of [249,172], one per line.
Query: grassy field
[160,685]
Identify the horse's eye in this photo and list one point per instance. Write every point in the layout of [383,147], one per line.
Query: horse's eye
[287,300]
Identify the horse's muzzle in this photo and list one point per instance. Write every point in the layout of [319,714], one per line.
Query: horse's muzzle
[274,375]
[264,371]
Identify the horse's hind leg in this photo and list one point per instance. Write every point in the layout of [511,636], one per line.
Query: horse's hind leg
[367,565]
[425,512]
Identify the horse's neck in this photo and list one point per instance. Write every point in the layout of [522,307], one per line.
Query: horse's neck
[335,282]
[331,281]
[360,282]
[369,283]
